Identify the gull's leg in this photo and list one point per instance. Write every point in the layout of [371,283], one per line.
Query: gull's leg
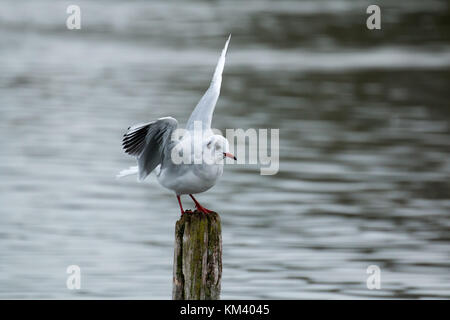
[199,206]
[179,202]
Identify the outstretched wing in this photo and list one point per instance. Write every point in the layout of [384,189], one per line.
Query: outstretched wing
[150,143]
[134,140]
[205,108]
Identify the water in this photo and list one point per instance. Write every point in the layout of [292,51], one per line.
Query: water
[364,146]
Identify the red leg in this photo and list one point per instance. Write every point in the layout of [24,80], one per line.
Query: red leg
[199,206]
[179,202]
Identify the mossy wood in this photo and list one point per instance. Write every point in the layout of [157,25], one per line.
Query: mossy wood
[197,268]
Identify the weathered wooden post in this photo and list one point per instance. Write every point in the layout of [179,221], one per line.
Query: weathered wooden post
[197,265]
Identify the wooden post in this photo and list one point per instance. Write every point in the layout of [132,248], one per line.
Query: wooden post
[197,265]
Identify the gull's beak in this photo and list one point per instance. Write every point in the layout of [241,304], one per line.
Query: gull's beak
[229,155]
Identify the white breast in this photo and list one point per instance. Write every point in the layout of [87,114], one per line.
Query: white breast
[190,179]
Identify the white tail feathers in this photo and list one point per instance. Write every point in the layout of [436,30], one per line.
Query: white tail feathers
[127,172]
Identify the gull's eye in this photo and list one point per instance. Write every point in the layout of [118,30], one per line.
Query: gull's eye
[209,145]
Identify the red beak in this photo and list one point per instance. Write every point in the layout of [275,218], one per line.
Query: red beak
[229,155]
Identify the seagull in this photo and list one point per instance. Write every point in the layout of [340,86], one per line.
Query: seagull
[154,145]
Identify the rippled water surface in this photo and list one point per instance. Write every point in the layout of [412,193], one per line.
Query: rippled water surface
[364,146]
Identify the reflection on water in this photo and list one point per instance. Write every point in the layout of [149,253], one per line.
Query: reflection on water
[364,146]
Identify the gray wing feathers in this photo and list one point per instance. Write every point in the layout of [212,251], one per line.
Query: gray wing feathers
[134,140]
[149,143]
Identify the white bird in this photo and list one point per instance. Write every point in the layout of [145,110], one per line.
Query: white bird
[154,147]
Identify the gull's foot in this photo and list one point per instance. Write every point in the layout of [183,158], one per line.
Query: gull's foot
[203,209]
[199,207]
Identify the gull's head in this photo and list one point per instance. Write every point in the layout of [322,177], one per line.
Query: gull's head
[219,148]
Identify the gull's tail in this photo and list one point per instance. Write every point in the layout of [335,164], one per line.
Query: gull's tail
[127,172]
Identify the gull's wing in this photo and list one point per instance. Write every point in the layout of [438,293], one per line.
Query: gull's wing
[150,143]
[204,110]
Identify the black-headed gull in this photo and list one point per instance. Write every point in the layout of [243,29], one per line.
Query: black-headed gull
[154,147]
